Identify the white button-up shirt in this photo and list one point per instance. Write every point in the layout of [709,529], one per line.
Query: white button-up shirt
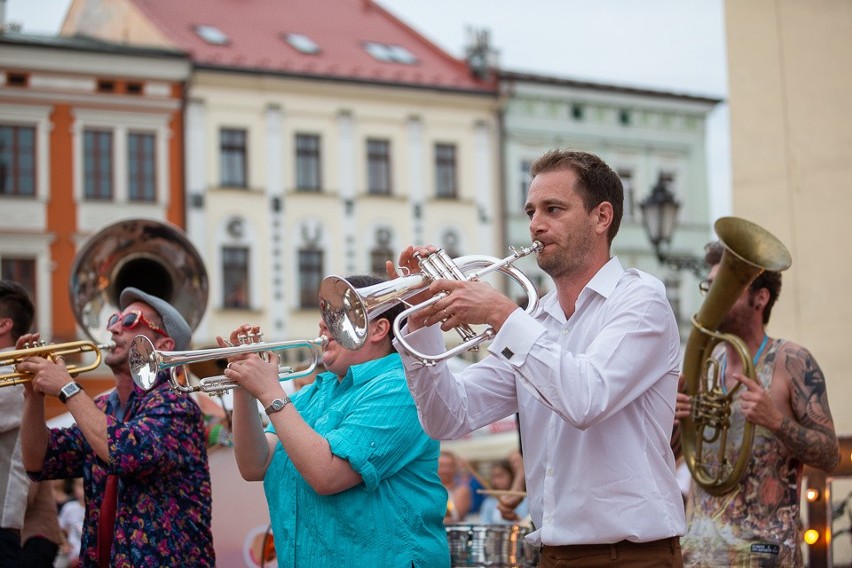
[595,395]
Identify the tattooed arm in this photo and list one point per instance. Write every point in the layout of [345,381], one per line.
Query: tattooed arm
[810,435]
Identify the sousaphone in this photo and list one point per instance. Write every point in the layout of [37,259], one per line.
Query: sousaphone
[151,255]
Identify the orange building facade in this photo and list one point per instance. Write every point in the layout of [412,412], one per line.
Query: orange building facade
[90,133]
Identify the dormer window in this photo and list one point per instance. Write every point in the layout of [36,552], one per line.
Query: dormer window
[390,53]
[302,43]
[211,34]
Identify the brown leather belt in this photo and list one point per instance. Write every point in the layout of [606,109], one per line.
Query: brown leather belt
[584,549]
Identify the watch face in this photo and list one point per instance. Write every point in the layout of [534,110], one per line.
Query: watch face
[275,406]
[70,389]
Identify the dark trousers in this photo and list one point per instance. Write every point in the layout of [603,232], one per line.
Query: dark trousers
[10,548]
[656,554]
[38,552]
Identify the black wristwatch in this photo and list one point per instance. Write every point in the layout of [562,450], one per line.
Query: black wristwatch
[277,405]
[69,390]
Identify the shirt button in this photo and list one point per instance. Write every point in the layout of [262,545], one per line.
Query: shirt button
[548,520]
[549,472]
[565,331]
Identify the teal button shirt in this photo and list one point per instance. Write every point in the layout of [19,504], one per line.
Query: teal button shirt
[394,518]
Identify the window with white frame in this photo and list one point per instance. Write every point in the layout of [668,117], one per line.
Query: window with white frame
[121,157]
[626,176]
[445,171]
[141,167]
[308,162]
[378,167]
[310,276]
[235,277]
[232,157]
[17,160]
[98,164]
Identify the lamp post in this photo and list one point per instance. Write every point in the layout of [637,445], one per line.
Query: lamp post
[659,215]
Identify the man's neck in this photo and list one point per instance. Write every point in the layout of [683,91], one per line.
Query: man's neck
[123,385]
[568,287]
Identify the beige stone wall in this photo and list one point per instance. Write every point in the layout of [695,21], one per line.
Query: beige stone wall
[790,75]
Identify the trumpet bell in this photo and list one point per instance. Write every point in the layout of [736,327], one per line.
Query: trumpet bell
[143,362]
[347,310]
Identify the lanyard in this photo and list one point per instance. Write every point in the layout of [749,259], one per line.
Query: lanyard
[753,361]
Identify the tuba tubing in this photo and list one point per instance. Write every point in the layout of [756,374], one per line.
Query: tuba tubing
[749,250]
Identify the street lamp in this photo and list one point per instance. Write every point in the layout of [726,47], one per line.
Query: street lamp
[659,215]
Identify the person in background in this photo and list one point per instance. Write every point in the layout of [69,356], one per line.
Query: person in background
[758,523]
[592,373]
[350,477]
[41,536]
[142,454]
[502,478]
[71,519]
[455,481]
[16,319]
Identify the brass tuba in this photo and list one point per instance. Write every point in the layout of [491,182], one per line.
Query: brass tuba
[749,250]
[151,255]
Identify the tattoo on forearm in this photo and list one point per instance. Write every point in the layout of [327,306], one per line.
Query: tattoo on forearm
[811,437]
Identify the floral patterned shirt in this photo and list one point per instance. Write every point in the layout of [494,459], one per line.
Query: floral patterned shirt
[158,452]
[757,524]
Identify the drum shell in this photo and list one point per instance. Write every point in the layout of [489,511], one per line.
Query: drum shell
[490,545]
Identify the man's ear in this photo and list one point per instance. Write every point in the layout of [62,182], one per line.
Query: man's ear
[381,329]
[164,343]
[604,217]
[6,325]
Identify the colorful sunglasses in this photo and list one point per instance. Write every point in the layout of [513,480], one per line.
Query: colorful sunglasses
[131,319]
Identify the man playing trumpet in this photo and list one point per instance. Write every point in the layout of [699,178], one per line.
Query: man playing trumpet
[592,373]
[350,477]
[142,455]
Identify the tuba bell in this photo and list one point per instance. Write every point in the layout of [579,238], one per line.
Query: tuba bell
[748,251]
[151,255]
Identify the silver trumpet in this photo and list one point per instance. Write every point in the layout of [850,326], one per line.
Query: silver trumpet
[347,311]
[146,362]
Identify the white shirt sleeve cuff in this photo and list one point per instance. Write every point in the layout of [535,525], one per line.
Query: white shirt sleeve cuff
[517,336]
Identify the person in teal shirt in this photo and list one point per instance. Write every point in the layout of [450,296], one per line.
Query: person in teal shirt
[349,474]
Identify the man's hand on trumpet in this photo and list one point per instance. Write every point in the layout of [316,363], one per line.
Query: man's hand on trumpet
[49,375]
[465,303]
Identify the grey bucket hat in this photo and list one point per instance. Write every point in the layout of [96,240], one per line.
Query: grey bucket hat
[175,325]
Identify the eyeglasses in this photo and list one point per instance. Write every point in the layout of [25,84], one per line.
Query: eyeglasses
[704,286]
[131,319]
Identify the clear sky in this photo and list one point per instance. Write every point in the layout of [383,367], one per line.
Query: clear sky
[671,45]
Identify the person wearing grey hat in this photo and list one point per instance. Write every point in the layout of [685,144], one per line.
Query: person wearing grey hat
[142,454]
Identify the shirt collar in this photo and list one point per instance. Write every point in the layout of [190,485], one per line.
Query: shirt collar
[603,283]
[606,279]
[366,371]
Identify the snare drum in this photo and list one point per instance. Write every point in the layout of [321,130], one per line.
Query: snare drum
[496,546]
